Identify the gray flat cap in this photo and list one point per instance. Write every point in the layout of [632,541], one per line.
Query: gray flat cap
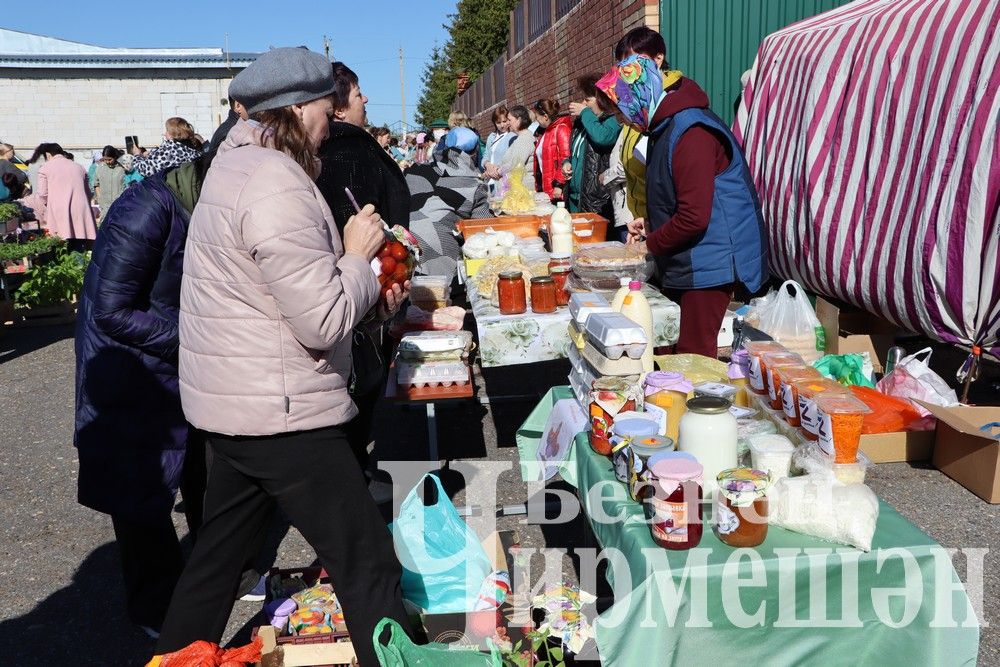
[281,77]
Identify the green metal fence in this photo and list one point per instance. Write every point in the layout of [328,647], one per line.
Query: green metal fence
[715,41]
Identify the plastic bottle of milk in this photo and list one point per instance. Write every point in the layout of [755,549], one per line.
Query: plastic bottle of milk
[619,298]
[561,230]
[635,307]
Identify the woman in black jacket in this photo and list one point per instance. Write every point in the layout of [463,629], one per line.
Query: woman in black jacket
[353,159]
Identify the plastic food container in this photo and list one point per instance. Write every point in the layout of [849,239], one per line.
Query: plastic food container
[430,288]
[616,367]
[771,453]
[841,419]
[584,304]
[807,391]
[576,335]
[435,345]
[444,374]
[716,389]
[741,511]
[773,361]
[601,266]
[788,395]
[757,367]
[616,335]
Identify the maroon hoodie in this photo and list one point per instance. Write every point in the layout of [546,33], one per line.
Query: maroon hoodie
[698,158]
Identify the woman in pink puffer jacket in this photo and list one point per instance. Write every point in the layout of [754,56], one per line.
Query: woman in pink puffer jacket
[269,299]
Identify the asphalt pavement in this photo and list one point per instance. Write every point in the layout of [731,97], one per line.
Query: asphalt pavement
[62,599]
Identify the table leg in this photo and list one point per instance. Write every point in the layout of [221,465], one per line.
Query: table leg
[432,434]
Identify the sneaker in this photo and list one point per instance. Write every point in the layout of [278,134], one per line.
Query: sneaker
[150,632]
[258,592]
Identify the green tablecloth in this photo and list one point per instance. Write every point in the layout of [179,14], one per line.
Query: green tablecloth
[646,637]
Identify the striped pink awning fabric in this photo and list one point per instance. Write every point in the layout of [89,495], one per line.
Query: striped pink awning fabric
[873,134]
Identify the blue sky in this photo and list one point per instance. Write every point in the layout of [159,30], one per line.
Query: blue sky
[366,34]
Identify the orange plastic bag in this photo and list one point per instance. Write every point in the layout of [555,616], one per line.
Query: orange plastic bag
[888,413]
[208,654]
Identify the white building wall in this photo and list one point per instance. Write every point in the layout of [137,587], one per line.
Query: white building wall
[88,113]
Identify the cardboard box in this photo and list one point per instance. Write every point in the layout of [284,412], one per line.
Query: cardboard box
[317,653]
[899,446]
[964,452]
[453,628]
[852,330]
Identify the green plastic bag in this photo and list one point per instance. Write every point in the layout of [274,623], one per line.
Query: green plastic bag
[847,369]
[395,649]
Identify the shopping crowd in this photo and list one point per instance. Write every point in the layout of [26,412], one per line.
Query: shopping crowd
[230,299]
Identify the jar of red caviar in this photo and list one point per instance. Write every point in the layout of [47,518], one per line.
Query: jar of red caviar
[560,275]
[543,295]
[741,507]
[676,503]
[510,292]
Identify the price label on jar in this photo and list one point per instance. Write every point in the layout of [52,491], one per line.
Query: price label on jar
[756,375]
[808,415]
[788,403]
[671,522]
[825,432]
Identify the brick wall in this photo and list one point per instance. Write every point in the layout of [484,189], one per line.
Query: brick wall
[578,43]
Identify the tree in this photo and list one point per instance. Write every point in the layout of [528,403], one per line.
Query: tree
[439,89]
[477,35]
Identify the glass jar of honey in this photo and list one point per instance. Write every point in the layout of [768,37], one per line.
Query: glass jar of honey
[543,295]
[741,507]
[510,292]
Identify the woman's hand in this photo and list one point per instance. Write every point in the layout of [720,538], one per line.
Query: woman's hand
[637,230]
[363,234]
[576,108]
[394,299]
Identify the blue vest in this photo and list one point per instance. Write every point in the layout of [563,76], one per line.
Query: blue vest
[734,247]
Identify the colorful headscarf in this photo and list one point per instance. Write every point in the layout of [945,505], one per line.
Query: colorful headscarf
[636,86]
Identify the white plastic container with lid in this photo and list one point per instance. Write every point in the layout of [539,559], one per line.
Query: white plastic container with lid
[584,304]
[561,230]
[771,453]
[708,431]
[615,335]
[635,307]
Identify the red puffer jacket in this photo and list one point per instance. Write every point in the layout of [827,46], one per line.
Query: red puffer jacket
[555,149]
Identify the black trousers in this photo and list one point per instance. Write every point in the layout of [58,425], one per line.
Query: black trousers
[150,551]
[316,480]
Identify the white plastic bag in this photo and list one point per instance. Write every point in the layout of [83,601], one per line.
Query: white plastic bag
[912,378]
[818,505]
[789,318]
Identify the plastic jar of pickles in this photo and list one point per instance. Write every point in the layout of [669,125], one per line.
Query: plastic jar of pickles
[741,507]
[676,503]
[510,292]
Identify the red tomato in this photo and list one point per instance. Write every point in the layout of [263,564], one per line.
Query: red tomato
[401,273]
[388,265]
[386,251]
[399,251]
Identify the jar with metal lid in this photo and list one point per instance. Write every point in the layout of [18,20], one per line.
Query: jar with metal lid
[510,291]
[741,507]
[560,275]
[708,431]
[640,453]
[543,295]
[676,503]
[559,260]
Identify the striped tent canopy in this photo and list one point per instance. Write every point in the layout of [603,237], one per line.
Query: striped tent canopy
[873,134]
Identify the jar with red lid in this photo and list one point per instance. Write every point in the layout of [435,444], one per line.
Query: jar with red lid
[676,503]
[560,275]
[543,295]
[510,292]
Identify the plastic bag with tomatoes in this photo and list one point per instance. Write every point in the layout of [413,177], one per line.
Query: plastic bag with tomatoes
[397,259]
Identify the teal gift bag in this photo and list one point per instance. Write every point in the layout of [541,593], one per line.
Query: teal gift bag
[444,565]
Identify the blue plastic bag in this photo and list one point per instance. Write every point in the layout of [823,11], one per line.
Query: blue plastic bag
[444,565]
